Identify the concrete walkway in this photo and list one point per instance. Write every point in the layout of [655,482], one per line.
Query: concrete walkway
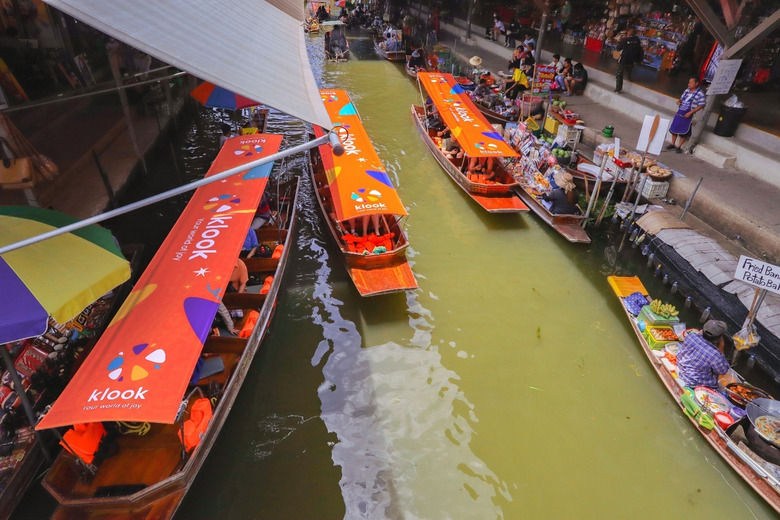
[739,209]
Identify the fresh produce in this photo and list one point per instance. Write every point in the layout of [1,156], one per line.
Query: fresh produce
[666,310]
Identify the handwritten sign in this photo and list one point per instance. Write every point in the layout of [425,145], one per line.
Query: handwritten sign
[758,273]
[543,79]
[724,77]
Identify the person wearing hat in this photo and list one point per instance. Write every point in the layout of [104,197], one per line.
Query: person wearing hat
[700,359]
[564,196]
[475,62]
[416,61]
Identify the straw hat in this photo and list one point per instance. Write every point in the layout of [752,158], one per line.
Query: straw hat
[476,61]
[564,180]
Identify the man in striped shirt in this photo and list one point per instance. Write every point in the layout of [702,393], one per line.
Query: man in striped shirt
[700,359]
[691,101]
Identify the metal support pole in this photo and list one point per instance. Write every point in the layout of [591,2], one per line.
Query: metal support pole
[28,409]
[126,109]
[106,183]
[472,5]
[633,209]
[596,190]
[690,199]
[540,38]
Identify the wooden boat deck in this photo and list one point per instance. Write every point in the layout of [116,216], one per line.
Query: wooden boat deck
[720,441]
[493,198]
[148,477]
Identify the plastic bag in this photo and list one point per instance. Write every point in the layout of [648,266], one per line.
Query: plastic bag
[733,102]
[746,338]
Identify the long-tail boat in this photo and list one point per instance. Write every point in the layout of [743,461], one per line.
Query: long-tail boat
[738,444]
[477,139]
[141,382]
[360,204]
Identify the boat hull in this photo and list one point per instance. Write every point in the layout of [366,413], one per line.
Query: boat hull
[399,55]
[717,437]
[161,499]
[493,198]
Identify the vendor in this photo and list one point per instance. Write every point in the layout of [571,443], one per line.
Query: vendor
[691,101]
[417,61]
[482,90]
[563,198]
[700,359]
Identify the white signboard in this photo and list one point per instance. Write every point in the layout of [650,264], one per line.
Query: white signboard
[758,273]
[724,77]
[658,139]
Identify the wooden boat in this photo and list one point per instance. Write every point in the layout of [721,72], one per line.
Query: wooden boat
[337,58]
[727,443]
[22,464]
[150,473]
[360,205]
[478,139]
[568,226]
[398,54]
[409,71]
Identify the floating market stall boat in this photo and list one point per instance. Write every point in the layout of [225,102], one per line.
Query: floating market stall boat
[389,45]
[476,138]
[156,364]
[360,204]
[532,184]
[741,442]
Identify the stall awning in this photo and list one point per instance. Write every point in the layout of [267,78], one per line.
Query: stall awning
[469,127]
[140,367]
[358,182]
[254,48]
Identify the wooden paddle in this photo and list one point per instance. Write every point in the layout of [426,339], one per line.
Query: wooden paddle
[653,130]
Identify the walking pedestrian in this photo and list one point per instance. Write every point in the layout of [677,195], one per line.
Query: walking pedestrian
[631,52]
[691,101]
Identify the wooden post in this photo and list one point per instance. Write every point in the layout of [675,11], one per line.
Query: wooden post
[125,107]
[109,190]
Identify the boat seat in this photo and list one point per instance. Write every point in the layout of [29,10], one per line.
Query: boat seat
[261,265]
[243,300]
[224,345]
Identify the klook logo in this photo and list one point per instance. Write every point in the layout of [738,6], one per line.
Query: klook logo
[222,203]
[139,365]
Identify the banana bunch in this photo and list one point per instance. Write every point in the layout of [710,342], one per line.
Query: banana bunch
[667,310]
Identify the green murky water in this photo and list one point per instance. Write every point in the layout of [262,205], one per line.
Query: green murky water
[508,386]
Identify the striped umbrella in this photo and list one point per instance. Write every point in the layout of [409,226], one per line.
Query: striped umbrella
[212,95]
[57,277]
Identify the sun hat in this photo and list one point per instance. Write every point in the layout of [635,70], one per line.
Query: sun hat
[476,61]
[715,328]
[564,180]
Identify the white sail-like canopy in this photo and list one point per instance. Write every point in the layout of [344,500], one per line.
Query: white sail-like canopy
[252,47]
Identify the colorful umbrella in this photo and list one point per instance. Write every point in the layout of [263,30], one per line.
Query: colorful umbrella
[57,277]
[341,3]
[215,96]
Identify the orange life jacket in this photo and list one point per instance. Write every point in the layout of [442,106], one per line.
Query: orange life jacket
[195,427]
[267,285]
[249,324]
[277,254]
[83,440]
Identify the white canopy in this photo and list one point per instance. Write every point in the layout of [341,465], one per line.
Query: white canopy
[252,47]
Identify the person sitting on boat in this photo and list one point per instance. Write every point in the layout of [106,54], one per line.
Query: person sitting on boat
[225,134]
[338,42]
[482,91]
[417,62]
[250,244]
[488,77]
[263,214]
[434,122]
[322,14]
[239,278]
[563,197]
[700,359]
[452,149]
[483,165]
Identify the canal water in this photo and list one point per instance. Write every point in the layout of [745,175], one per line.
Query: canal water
[509,386]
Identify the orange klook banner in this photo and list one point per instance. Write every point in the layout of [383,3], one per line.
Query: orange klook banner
[358,182]
[143,362]
[469,127]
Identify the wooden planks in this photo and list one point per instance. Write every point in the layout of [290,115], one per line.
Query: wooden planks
[383,280]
